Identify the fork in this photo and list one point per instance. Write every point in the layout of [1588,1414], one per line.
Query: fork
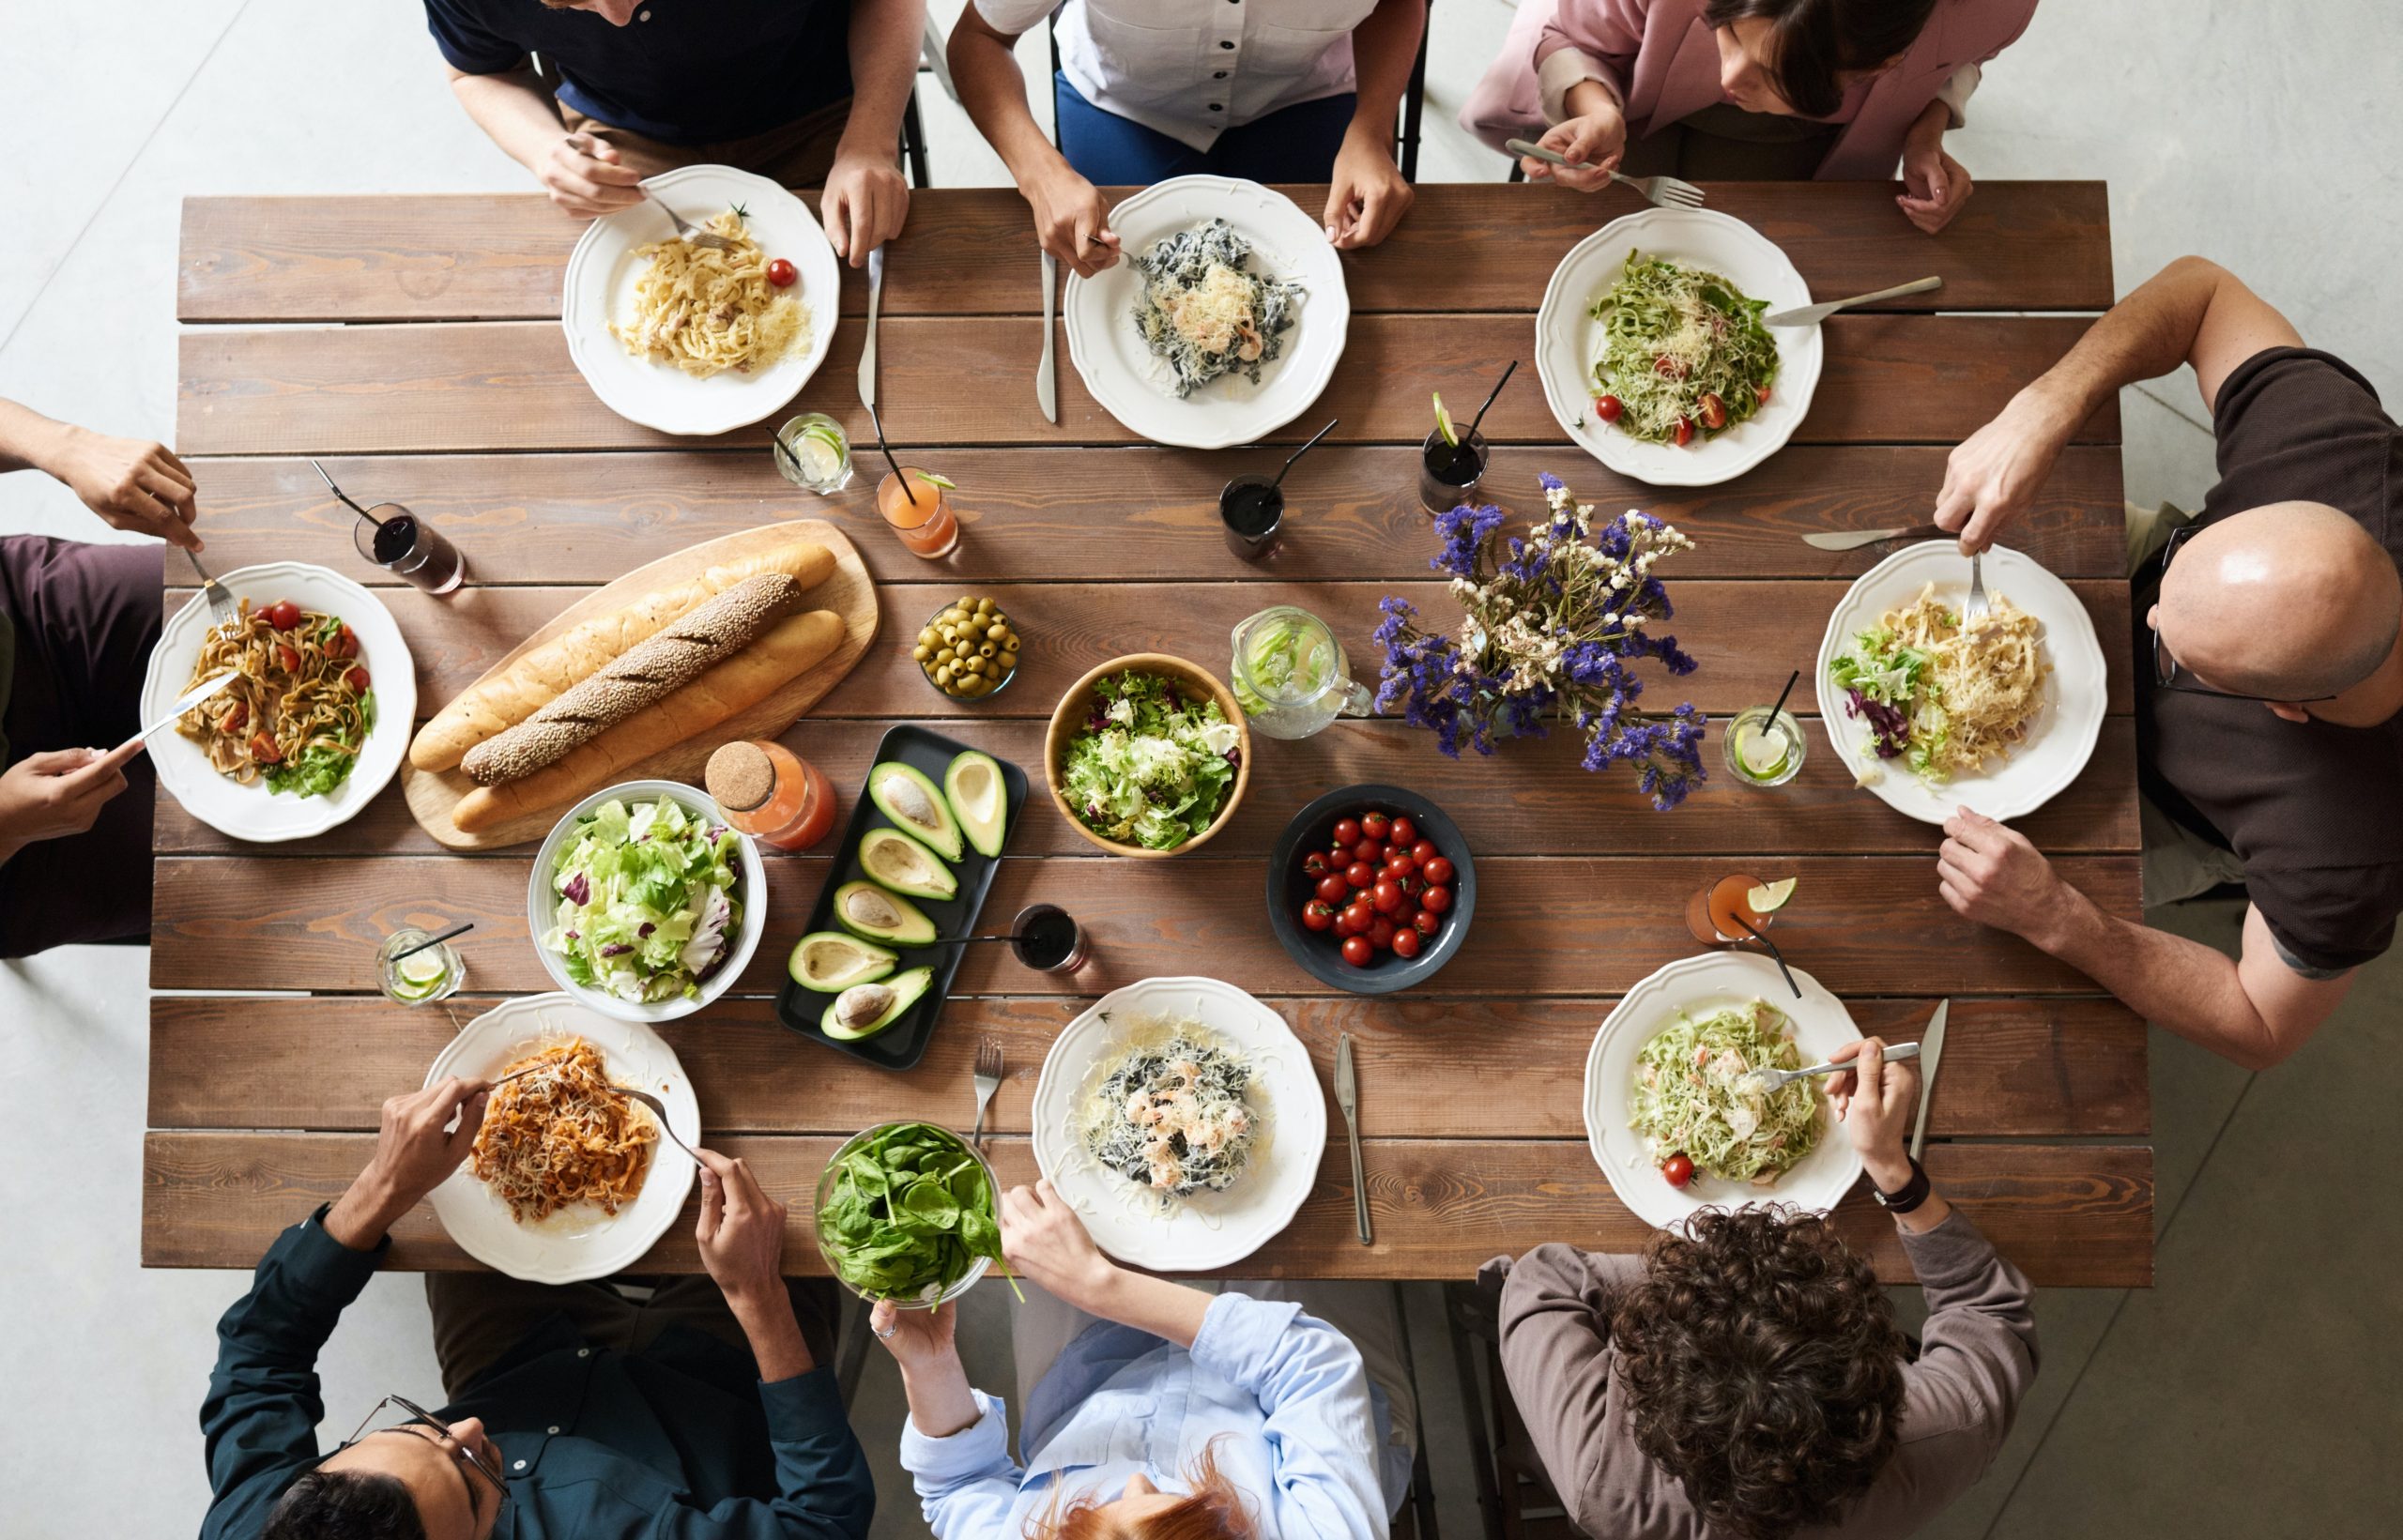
[1977,607]
[220,604]
[689,232]
[659,1111]
[988,1080]
[1769,1080]
[1664,192]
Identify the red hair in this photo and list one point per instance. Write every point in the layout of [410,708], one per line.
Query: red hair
[1213,1510]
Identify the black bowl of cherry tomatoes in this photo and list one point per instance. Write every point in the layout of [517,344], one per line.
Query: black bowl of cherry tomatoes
[1370,889]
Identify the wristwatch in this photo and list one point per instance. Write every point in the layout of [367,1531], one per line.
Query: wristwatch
[1914,1191]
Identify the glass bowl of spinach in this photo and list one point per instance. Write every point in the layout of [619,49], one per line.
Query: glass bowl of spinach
[909,1212]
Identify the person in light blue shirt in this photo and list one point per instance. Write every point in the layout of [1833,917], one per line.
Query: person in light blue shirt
[1166,1408]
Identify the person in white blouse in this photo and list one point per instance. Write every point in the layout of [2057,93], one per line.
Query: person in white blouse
[1272,90]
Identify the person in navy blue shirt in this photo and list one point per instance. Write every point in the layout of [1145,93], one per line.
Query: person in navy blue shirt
[807,92]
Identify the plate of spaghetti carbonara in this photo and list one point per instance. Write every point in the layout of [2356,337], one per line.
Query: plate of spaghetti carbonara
[1182,1119]
[569,1178]
[1931,710]
[316,720]
[701,336]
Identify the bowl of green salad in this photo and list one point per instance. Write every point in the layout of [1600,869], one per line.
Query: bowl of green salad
[908,1213]
[643,903]
[1148,756]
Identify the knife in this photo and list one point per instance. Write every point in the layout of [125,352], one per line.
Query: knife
[118,757]
[1931,1050]
[1853,540]
[867,349]
[1811,315]
[1046,372]
[1347,1096]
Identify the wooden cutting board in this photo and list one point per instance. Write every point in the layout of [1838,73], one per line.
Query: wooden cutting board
[847,592]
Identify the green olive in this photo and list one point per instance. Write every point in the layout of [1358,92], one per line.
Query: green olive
[922,652]
[983,606]
[987,649]
[943,674]
[1009,641]
[927,636]
[972,687]
[994,634]
[1005,660]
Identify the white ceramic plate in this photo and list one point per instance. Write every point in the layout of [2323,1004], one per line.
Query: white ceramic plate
[1127,379]
[253,812]
[1569,340]
[600,285]
[1697,986]
[750,890]
[1208,1231]
[2058,744]
[578,1242]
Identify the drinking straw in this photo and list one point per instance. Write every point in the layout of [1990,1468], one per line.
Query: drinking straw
[965,941]
[344,496]
[1772,951]
[453,931]
[1489,401]
[790,459]
[878,426]
[1781,695]
[1306,448]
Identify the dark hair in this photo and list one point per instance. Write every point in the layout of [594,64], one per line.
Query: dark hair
[344,1505]
[1762,1368]
[1814,43]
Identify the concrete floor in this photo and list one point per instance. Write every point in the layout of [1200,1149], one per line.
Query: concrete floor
[2251,1393]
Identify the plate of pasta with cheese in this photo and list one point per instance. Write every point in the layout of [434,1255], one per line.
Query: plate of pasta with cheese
[569,1178]
[1933,709]
[1222,321]
[706,335]
[315,719]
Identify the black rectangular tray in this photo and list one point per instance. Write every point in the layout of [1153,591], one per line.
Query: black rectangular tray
[900,1045]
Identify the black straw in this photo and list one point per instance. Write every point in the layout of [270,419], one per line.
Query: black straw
[1480,419]
[1306,448]
[1781,696]
[434,940]
[878,426]
[967,940]
[778,440]
[344,496]
[1764,940]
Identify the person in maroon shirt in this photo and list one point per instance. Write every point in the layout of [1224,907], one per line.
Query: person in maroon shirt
[2269,670]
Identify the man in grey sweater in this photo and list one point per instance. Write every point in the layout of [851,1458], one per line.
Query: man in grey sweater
[1745,1378]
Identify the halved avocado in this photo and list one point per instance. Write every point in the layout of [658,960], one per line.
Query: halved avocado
[865,909]
[893,860]
[914,803]
[866,1009]
[830,962]
[980,799]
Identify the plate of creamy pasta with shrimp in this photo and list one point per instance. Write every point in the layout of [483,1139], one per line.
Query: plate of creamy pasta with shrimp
[315,719]
[705,333]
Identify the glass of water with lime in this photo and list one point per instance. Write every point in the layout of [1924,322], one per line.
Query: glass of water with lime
[1764,747]
[427,974]
[812,453]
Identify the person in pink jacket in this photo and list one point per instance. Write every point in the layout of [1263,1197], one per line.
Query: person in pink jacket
[1747,90]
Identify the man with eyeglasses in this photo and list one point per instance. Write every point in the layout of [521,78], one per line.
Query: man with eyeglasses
[2269,684]
[572,1410]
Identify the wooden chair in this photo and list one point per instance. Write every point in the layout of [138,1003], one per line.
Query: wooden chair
[1514,1495]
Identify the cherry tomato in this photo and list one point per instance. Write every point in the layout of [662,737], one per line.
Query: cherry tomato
[1685,432]
[1318,914]
[262,749]
[1347,831]
[1609,409]
[1761,392]
[239,718]
[1714,411]
[1368,850]
[1405,832]
[1405,943]
[1428,922]
[1358,951]
[1360,875]
[289,658]
[1399,866]
[358,678]
[1332,889]
[781,273]
[1387,897]
[346,643]
[1376,826]
[1423,851]
[1676,1170]
[1338,858]
[1314,864]
[1436,899]
[1358,916]
[1439,872]
[1381,933]
[283,615]
[1412,885]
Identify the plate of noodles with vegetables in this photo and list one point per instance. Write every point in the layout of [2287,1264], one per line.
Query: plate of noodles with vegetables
[1932,710]
[1673,1114]
[316,721]
[1183,1120]
[569,1178]
[1654,354]
[701,336]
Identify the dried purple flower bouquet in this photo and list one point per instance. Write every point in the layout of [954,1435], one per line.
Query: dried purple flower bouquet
[1550,626]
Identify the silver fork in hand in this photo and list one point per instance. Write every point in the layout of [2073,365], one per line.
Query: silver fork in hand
[659,1111]
[220,604]
[1662,192]
[988,1080]
[689,232]
[1977,607]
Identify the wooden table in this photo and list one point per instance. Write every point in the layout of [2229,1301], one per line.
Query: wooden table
[442,381]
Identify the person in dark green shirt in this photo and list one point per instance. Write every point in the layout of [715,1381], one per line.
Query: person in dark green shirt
[572,1410]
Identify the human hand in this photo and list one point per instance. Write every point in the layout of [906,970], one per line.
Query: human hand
[1934,185]
[1994,876]
[1070,220]
[742,1232]
[582,175]
[1992,476]
[1598,139]
[915,1338]
[864,205]
[1877,1102]
[131,485]
[50,795]
[1043,1239]
[414,1153]
[1369,195]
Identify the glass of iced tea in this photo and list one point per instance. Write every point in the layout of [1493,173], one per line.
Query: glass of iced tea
[918,507]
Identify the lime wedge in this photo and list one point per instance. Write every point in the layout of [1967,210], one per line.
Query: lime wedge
[1443,422]
[419,975]
[1773,898]
[819,455]
[1763,753]
[944,481]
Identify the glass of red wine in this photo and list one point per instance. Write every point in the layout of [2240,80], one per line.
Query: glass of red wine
[410,549]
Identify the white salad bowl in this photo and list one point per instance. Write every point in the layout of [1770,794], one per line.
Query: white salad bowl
[541,904]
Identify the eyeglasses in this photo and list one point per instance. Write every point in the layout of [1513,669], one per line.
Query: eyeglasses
[417,1416]
[2165,663]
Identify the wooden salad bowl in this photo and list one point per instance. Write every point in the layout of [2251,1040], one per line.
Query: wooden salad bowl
[1068,719]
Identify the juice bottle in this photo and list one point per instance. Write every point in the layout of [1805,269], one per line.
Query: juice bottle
[919,510]
[770,794]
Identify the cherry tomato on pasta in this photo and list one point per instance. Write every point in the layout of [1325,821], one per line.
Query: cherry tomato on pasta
[781,273]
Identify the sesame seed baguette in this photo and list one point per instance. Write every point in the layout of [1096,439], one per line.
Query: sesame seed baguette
[637,680]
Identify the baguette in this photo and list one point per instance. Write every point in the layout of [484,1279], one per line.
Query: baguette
[516,692]
[791,648]
[637,678]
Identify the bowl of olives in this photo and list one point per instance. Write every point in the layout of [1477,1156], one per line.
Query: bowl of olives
[969,649]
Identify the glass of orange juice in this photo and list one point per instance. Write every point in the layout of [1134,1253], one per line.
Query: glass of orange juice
[918,507]
[1720,914]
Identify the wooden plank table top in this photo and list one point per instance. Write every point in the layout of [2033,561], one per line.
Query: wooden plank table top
[412,344]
